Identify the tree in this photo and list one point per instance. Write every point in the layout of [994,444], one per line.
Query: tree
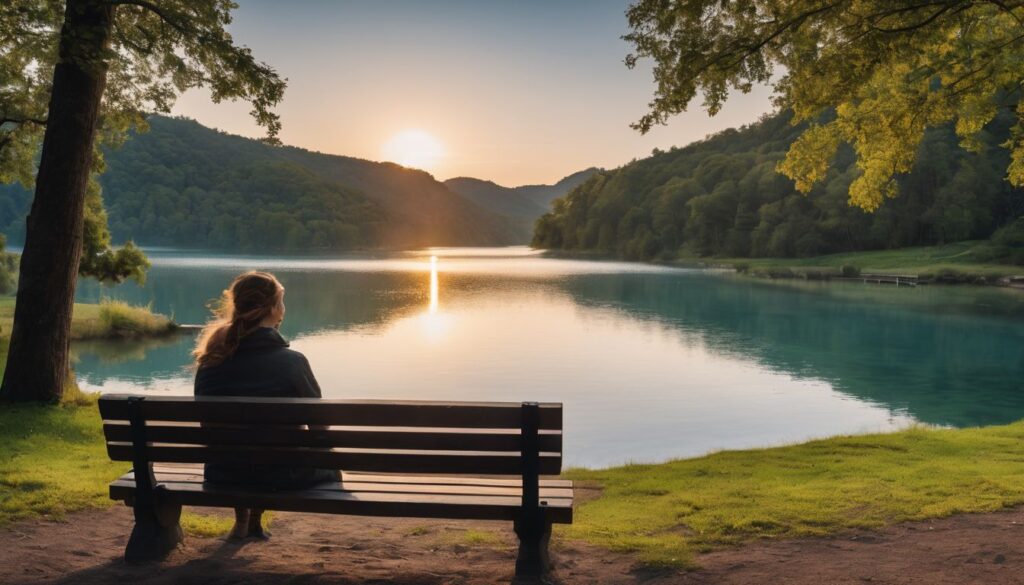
[80,73]
[888,69]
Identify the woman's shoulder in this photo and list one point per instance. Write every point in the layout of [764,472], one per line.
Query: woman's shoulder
[292,355]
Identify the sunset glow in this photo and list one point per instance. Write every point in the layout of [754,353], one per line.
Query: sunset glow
[415,149]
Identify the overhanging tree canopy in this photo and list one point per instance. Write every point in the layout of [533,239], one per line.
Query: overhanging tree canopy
[157,50]
[76,74]
[890,69]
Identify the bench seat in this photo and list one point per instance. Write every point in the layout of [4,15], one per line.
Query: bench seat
[409,458]
[365,494]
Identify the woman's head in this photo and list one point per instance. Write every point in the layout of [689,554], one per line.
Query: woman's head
[254,300]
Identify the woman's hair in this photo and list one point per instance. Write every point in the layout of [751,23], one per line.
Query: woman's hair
[251,297]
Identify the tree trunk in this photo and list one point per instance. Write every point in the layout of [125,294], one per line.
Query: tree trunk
[37,362]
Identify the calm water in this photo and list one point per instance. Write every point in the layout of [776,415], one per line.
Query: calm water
[651,362]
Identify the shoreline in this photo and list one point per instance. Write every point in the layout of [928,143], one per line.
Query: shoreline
[829,268]
[108,319]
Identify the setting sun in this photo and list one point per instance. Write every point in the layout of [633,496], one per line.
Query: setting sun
[413,148]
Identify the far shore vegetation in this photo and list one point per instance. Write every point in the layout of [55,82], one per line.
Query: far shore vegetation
[962,262]
[966,262]
[53,462]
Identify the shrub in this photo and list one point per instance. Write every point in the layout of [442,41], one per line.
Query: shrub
[120,318]
[849,271]
[1008,242]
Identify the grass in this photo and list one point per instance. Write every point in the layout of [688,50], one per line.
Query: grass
[665,513]
[117,319]
[206,525]
[53,462]
[211,524]
[107,319]
[476,538]
[52,458]
[959,260]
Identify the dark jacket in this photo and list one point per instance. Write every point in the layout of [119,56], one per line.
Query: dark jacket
[262,366]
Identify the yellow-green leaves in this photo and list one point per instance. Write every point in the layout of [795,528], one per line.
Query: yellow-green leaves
[890,69]
[1015,173]
[808,159]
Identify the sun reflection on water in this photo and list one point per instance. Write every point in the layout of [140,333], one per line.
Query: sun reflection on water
[433,284]
[435,323]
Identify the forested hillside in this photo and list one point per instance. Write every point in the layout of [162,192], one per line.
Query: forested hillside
[182,184]
[523,204]
[723,197]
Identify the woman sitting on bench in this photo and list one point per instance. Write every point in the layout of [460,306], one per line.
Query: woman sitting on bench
[241,353]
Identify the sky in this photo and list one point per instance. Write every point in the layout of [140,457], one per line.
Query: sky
[517,92]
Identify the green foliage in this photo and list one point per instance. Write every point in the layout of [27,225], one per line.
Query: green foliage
[665,513]
[979,262]
[99,259]
[181,184]
[1008,243]
[849,271]
[105,320]
[8,268]
[523,204]
[889,69]
[158,51]
[723,197]
[120,319]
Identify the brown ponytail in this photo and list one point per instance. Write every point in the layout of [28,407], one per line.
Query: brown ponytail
[251,297]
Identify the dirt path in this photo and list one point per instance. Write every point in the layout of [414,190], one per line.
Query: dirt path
[317,549]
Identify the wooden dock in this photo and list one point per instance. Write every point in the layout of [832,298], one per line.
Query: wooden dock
[897,279]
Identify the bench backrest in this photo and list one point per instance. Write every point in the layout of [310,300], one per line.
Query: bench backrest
[493,438]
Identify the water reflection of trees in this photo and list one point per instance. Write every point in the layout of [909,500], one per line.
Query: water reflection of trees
[317,301]
[97,361]
[947,356]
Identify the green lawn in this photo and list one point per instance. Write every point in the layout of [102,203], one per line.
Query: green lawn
[958,258]
[665,513]
[52,458]
[52,462]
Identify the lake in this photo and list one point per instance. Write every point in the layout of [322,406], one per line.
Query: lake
[652,362]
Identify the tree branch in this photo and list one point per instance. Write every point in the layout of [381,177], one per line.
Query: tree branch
[37,121]
[155,10]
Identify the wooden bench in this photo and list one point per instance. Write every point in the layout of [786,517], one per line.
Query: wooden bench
[460,460]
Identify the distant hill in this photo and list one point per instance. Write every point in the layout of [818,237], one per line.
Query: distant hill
[182,184]
[723,197]
[524,204]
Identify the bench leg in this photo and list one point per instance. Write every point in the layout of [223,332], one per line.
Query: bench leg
[533,559]
[157,531]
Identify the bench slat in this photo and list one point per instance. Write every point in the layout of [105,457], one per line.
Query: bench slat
[356,486]
[350,485]
[376,413]
[394,478]
[406,461]
[498,481]
[558,510]
[372,438]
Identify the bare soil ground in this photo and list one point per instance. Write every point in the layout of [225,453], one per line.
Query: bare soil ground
[86,548]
